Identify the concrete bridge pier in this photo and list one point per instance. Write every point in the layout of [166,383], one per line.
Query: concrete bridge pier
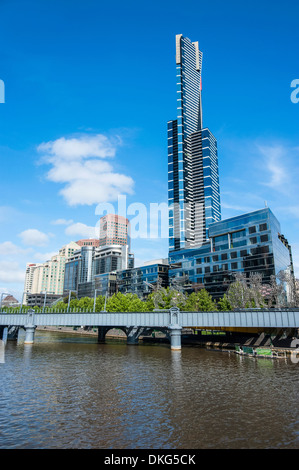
[175,334]
[175,330]
[133,333]
[102,330]
[30,327]
[3,333]
[29,334]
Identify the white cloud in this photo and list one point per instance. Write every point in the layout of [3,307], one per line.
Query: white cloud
[275,159]
[81,230]
[10,272]
[43,257]
[34,237]
[62,222]
[79,163]
[10,249]
[80,147]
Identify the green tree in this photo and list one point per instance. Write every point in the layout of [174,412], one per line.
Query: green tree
[66,298]
[125,303]
[86,303]
[100,302]
[61,306]
[223,304]
[165,298]
[200,301]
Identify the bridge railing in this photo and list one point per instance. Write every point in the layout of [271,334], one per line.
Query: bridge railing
[18,310]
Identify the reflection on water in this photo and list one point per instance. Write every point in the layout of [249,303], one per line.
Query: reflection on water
[67,391]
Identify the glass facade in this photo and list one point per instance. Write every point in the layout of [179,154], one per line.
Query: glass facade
[71,275]
[142,280]
[248,243]
[102,284]
[91,262]
[193,177]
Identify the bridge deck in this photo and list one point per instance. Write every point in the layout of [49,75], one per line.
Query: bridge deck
[288,318]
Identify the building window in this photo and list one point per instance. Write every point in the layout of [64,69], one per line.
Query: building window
[234,254]
[234,266]
[199,271]
[239,234]
[252,229]
[207,259]
[198,261]
[243,253]
[253,240]
[207,269]
[263,227]
[264,238]
[224,256]
[215,258]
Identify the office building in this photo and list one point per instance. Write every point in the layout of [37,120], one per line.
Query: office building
[249,243]
[143,279]
[89,242]
[114,230]
[49,276]
[89,262]
[193,177]
[30,268]
[42,300]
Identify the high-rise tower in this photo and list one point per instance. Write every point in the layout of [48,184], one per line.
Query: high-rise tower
[193,177]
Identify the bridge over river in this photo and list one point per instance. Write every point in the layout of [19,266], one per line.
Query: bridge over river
[136,323]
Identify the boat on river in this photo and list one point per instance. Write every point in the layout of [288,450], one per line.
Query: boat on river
[259,352]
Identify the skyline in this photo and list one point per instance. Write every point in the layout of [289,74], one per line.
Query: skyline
[82,115]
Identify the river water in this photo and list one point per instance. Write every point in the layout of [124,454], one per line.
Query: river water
[67,391]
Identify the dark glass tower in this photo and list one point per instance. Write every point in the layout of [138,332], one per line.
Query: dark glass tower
[193,177]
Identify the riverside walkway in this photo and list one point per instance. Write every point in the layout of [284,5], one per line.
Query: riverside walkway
[136,323]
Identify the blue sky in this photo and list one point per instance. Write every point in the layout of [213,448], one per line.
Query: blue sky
[100,77]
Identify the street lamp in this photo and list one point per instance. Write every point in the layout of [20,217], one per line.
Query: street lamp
[94,300]
[106,295]
[68,304]
[45,298]
[23,301]
[3,293]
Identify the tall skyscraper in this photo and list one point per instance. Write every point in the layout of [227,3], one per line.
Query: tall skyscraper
[114,230]
[193,177]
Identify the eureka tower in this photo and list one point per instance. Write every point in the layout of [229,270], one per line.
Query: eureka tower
[193,177]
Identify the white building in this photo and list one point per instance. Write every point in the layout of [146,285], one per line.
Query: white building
[49,276]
